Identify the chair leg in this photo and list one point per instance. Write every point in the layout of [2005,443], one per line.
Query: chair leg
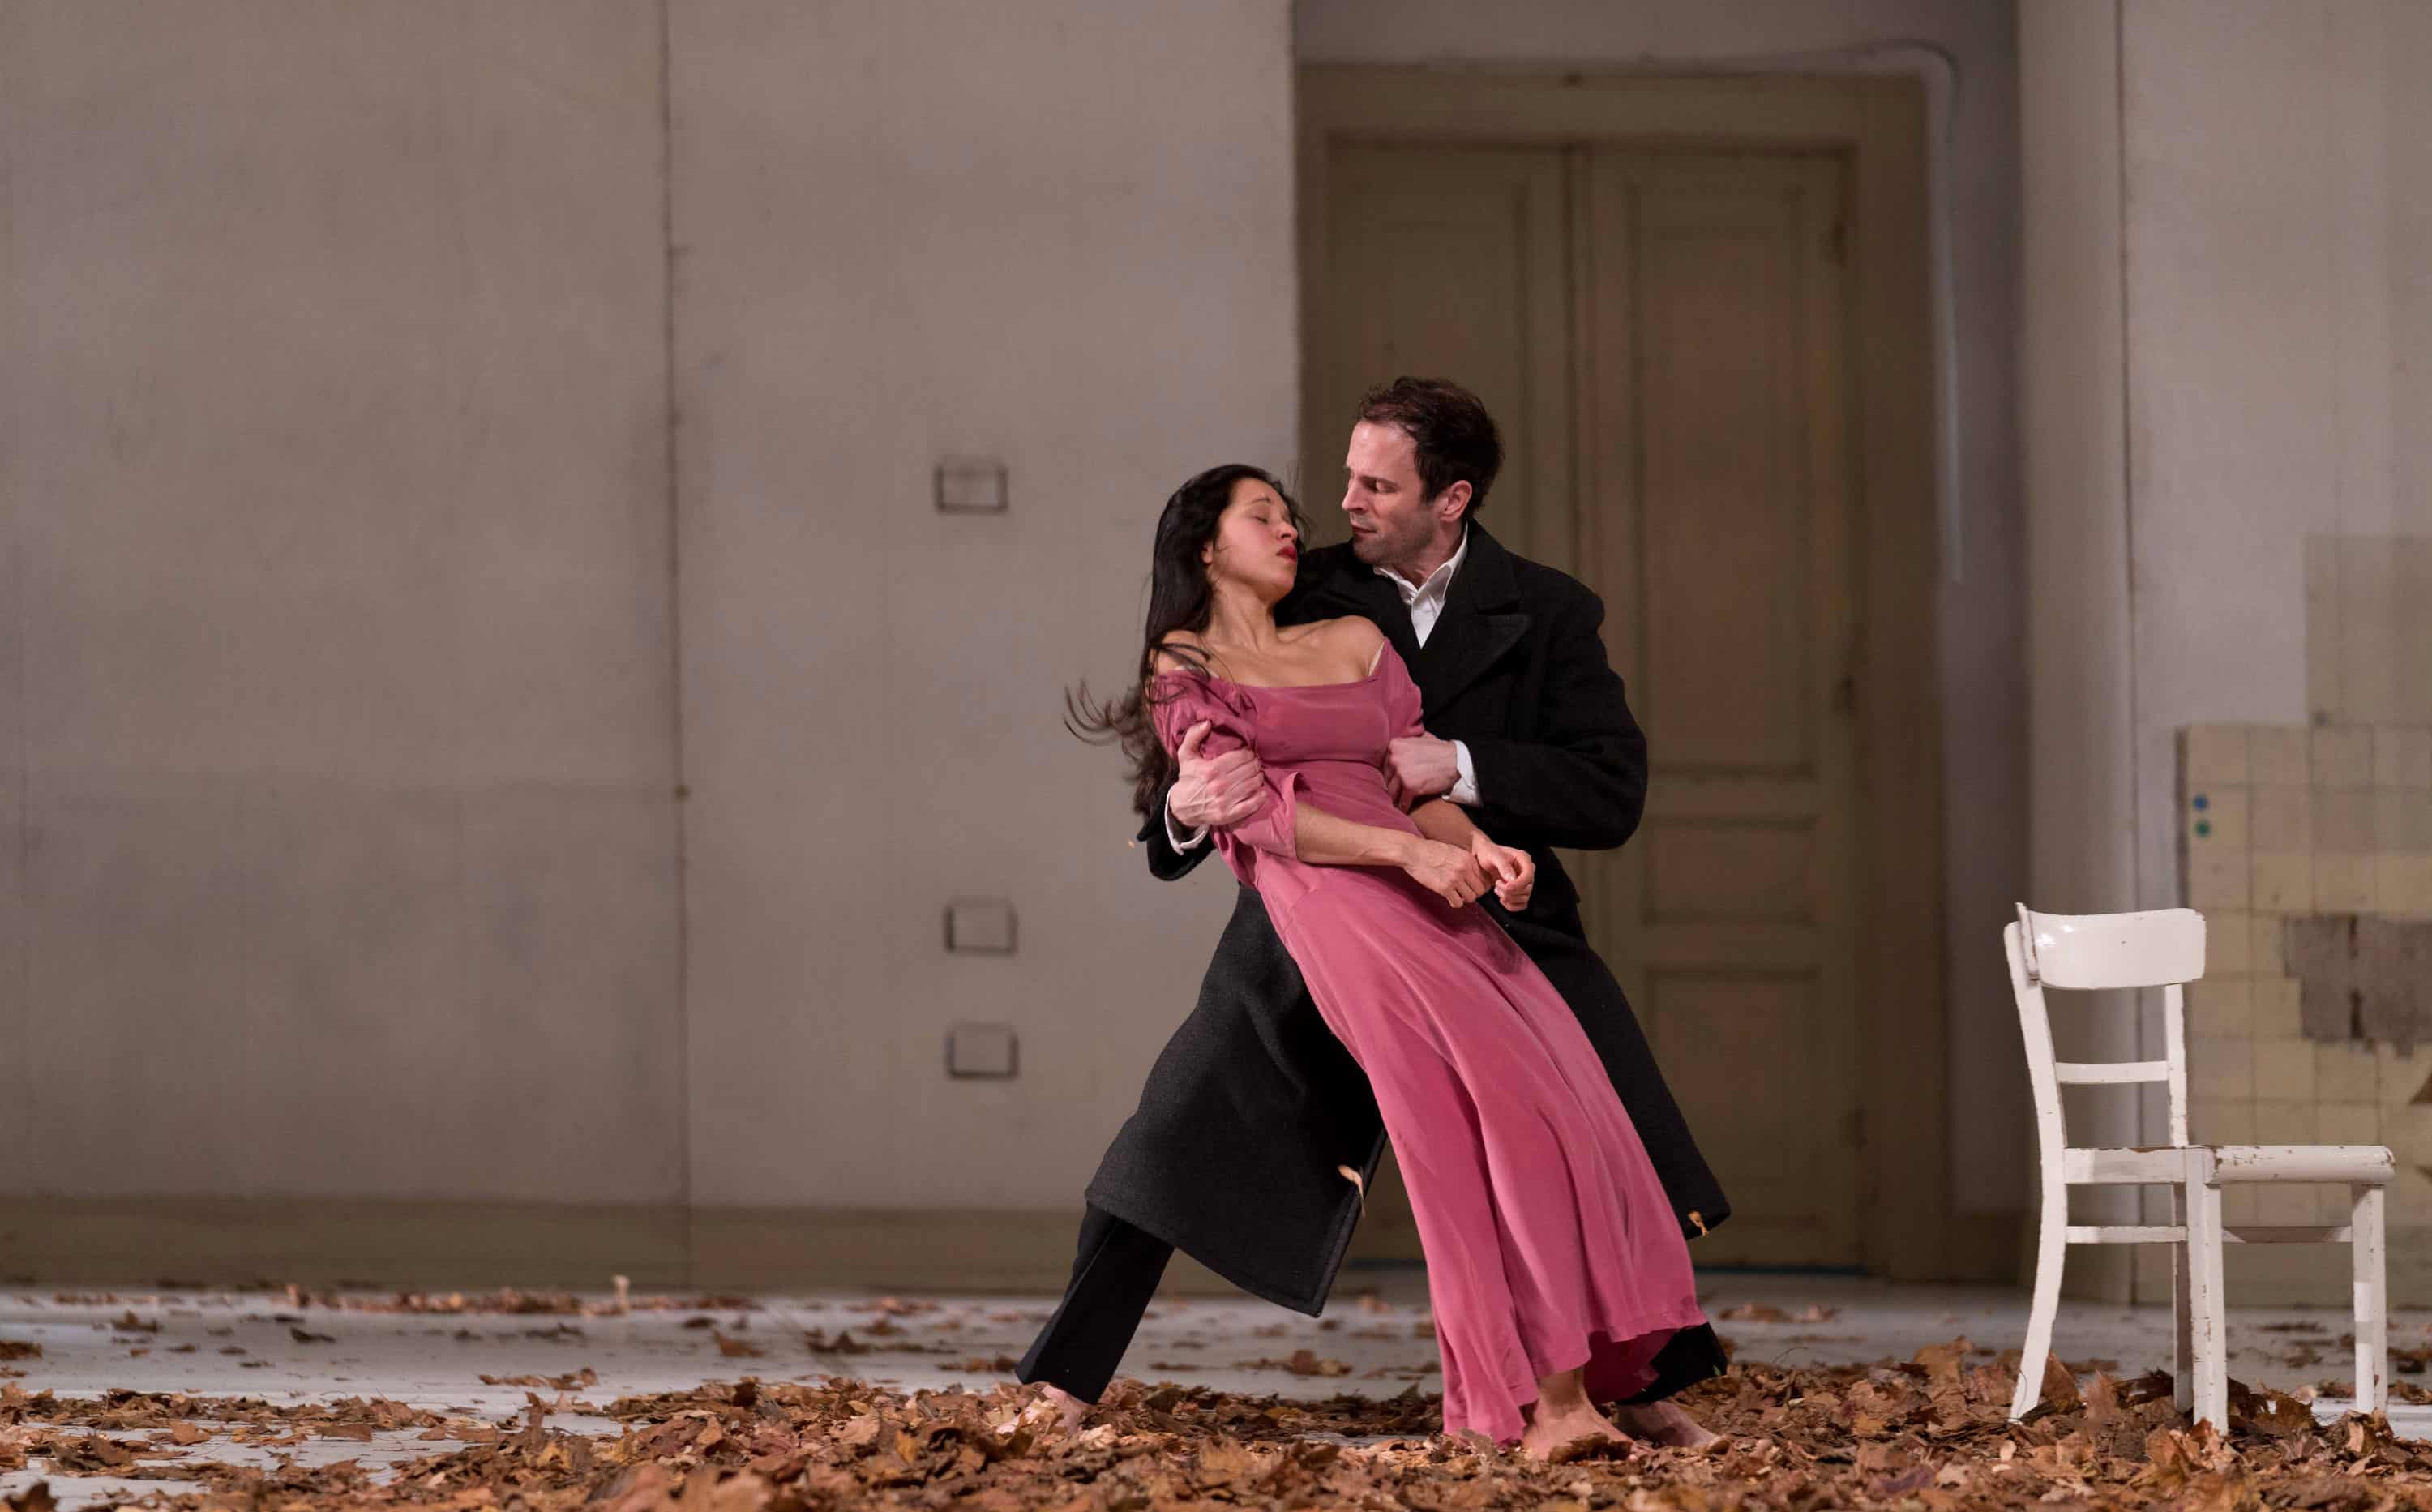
[2183,1376]
[2051,1252]
[2208,1342]
[2370,1264]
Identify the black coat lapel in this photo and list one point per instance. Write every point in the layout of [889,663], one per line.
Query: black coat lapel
[1482,621]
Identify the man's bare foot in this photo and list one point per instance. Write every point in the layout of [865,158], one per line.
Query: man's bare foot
[1550,1429]
[1662,1422]
[1056,1408]
[1068,1409]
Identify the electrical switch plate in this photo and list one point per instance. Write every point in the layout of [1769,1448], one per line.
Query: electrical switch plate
[982,1050]
[979,926]
[970,485]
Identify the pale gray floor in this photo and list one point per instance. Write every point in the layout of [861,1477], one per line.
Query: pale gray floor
[418,1359]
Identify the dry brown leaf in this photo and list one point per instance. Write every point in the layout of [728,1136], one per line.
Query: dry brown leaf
[844,1343]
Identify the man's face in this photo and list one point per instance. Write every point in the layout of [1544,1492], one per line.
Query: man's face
[1391,523]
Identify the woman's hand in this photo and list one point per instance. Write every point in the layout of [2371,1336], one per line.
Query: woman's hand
[1447,871]
[1514,872]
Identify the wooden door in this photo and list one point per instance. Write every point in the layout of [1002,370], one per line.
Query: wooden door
[1718,532]
[1658,335]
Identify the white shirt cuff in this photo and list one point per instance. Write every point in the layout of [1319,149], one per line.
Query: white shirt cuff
[1464,791]
[1177,841]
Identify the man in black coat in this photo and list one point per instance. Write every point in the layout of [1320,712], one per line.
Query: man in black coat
[1257,1133]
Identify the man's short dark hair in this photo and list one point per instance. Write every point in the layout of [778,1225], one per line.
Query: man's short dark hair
[1455,436]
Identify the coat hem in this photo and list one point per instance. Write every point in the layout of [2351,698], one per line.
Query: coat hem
[1299,1301]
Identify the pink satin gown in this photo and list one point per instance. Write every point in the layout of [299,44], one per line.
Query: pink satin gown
[1549,1241]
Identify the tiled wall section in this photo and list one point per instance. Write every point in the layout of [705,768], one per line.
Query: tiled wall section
[2280,820]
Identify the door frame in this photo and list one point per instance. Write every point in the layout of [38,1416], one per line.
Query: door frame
[1908,1228]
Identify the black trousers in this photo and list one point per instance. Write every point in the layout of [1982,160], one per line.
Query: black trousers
[1115,1275]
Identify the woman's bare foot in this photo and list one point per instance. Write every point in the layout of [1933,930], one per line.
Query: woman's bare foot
[1562,1414]
[1662,1422]
[1549,1431]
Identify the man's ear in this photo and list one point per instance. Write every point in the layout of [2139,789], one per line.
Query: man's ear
[1453,501]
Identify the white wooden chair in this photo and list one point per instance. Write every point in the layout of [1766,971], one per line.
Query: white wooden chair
[2166,949]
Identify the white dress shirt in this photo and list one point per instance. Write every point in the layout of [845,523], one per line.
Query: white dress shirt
[1425,602]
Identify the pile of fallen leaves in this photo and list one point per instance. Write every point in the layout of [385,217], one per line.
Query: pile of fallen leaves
[86,1436]
[1929,1433]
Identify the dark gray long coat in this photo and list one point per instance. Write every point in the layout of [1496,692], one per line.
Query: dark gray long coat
[1233,1154]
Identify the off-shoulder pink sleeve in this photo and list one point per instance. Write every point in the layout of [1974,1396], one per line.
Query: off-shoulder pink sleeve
[1402,701]
[1179,701]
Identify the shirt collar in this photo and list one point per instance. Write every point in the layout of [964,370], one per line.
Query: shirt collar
[1439,581]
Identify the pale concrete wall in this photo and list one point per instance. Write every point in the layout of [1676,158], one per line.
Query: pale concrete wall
[2277,170]
[2226,215]
[1058,234]
[341,731]
[1981,614]
[336,710]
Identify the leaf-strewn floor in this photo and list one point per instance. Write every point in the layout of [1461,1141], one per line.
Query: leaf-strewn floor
[571,1401]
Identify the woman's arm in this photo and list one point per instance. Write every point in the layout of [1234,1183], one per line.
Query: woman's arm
[1440,819]
[1322,839]
[1513,870]
[1447,871]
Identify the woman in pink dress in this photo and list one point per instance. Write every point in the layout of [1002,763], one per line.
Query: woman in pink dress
[1554,1263]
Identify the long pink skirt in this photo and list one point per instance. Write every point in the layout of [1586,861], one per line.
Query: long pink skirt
[1549,1241]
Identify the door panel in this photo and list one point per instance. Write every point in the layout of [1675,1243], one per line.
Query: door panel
[1450,262]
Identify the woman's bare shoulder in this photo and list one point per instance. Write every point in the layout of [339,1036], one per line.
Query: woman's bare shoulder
[1352,632]
[1162,660]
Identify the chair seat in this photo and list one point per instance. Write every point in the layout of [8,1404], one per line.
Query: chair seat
[2371,1165]
[2232,1165]
[2098,1165]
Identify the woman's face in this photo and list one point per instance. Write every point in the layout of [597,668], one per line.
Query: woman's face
[1257,543]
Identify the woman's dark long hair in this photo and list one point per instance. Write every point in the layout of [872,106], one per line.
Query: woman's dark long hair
[1179,599]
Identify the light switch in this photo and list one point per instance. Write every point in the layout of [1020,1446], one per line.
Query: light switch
[982,1050]
[972,485]
[979,926]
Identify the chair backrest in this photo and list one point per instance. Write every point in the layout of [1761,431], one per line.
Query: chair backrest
[2100,952]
